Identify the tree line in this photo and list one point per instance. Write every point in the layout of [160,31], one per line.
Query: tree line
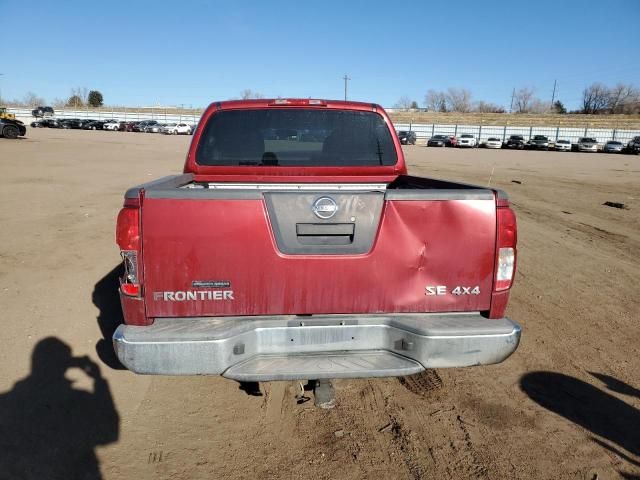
[596,99]
[83,97]
[78,97]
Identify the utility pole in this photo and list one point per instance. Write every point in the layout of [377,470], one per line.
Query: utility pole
[513,94]
[1,75]
[553,95]
[346,79]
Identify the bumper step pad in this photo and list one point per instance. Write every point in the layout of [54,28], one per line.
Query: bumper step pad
[361,364]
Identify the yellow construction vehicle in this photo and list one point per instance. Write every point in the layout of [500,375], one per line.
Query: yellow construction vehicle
[7,115]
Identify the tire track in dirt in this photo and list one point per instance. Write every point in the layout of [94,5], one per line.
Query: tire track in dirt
[451,451]
[408,427]
[422,383]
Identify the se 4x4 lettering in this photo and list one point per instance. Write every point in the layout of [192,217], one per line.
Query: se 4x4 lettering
[457,290]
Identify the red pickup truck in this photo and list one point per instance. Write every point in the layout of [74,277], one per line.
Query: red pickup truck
[295,246]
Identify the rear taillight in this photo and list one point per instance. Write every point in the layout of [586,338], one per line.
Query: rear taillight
[128,239]
[506,264]
[130,289]
[506,249]
[128,229]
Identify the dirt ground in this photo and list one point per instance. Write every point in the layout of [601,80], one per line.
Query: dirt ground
[566,405]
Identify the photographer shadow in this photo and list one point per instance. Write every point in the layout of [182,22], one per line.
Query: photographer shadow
[48,428]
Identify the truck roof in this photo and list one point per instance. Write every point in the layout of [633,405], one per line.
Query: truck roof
[295,173]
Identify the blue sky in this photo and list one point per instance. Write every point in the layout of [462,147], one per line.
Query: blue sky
[194,52]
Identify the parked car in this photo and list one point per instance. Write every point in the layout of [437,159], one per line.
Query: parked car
[11,128]
[46,123]
[167,129]
[613,146]
[126,126]
[71,123]
[493,142]
[176,129]
[407,137]
[154,128]
[587,144]
[515,141]
[39,112]
[112,125]
[140,126]
[562,145]
[467,140]
[368,303]
[538,142]
[86,121]
[439,141]
[95,125]
[634,145]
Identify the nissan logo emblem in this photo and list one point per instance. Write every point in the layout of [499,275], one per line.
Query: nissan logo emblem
[324,207]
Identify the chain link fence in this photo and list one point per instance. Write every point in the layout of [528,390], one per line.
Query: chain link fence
[425,131]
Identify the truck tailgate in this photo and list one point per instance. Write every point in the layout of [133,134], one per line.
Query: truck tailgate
[273,253]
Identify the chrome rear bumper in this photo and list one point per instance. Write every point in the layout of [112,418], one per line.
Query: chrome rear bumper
[323,346]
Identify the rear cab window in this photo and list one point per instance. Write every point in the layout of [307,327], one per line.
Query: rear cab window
[296,137]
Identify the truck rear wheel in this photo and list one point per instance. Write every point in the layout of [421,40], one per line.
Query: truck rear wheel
[10,132]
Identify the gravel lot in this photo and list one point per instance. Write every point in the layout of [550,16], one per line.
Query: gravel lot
[566,405]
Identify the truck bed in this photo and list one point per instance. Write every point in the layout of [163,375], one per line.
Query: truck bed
[163,187]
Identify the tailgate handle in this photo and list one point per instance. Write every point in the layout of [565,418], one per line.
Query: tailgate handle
[314,229]
[325,233]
